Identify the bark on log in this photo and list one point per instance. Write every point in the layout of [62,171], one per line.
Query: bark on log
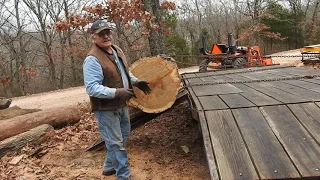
[164,81]
[55,117]
[17,142]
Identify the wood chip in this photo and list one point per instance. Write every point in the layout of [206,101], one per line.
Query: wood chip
[16,160]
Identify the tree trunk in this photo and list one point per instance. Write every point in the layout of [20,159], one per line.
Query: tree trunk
[313,30]
[156,41]
[17,142]
[63,59]
[164,81]
[57,117]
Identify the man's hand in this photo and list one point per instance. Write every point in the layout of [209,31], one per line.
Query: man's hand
[143,86]
[124,94]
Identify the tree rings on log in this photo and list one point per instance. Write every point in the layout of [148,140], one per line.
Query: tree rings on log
[164,81]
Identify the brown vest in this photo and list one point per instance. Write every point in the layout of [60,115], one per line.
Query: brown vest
[112,78]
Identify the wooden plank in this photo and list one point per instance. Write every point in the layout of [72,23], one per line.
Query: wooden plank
[301,147]
[268,155]
[270,67]
[301,71]
[281,73]
[305,93]
[264,75]
[277,94]
[236,77]
[235,71]
[221,78]
[196,103]
[219,73]
[193,80]
[208,147]
[204,74]
[187,81]
[212,103]
[256,97]
[230,151]
[315,81]
[309,116]
[207,90]
[257,75]
[274,74]
[303,84]
[224,78]
[188,75]
[211,79]
[318,103]
[236,101]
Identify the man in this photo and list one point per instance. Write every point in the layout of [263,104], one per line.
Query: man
[109,85]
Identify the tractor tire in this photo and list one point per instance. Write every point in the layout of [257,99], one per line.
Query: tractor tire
[226,62]
[204,65]
[239,63]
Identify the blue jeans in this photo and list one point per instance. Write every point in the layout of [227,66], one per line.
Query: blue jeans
[114,127]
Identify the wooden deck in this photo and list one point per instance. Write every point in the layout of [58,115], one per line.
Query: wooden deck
[258,123]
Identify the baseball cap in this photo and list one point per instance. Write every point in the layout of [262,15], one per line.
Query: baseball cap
[100,25]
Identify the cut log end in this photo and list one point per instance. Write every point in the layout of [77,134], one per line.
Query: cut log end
[164,81]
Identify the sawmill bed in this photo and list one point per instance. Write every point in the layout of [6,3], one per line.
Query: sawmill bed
[258,123]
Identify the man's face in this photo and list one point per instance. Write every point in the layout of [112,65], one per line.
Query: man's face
[103,38]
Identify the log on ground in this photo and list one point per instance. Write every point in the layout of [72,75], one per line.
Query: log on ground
[164,81]
[17,142]
[57,118]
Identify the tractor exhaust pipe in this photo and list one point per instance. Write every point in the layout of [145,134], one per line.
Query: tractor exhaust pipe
[203,49]
[231,44]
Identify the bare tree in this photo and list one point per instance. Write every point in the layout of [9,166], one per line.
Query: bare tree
[15,39]
[40,11]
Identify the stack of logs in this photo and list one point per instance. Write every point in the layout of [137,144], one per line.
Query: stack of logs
[16,132]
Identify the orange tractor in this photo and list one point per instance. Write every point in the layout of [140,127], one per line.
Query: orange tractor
[225,56]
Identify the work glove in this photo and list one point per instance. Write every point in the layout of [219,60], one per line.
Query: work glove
[143,86]
[124,94]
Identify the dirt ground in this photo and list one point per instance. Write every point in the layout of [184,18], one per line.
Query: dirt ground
[168,147]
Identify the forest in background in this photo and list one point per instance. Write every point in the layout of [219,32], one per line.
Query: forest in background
[43,42]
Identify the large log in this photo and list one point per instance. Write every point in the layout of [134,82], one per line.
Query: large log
[56,117]
[15,111]
[164,81]
[17,142]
